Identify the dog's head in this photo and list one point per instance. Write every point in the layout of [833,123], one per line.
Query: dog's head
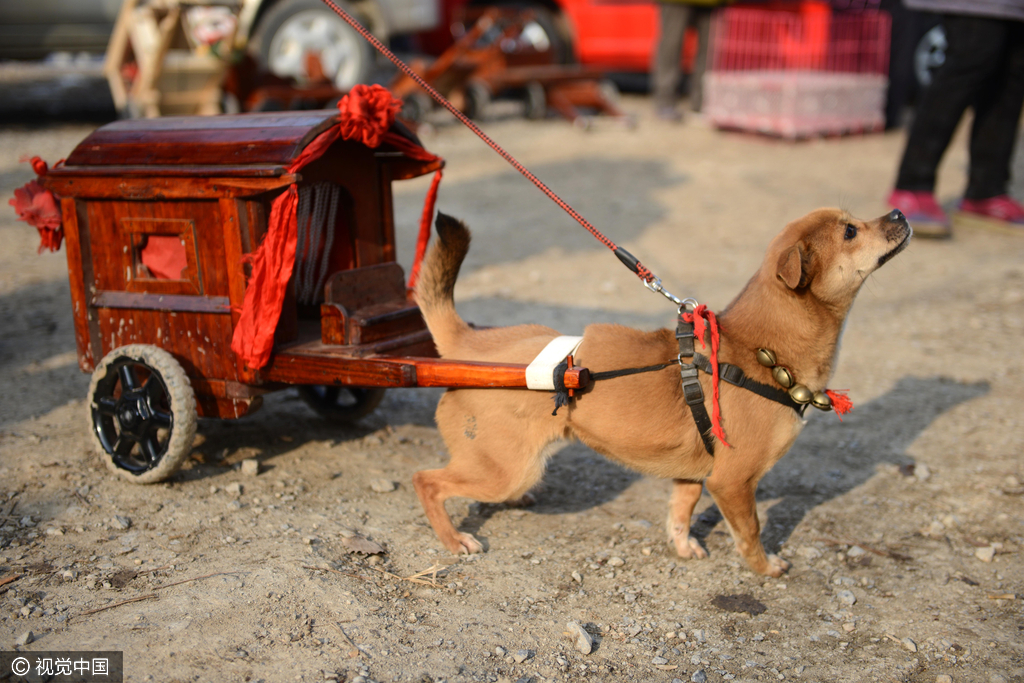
[829,254]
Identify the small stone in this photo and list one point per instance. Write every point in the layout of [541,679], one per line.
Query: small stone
[250,467]
[848,627]
[26,522]
[986,554]
[24,639]
[846,597]
[54,532]
[943,678]
[521,656]
[120,522]
[234,489]
[629,597]
[616,562]
[382,486]
[500,651]
[908,644]
[577,577]
[69,574]
[855,551]
[922,472]
[808,552]
[699,635]
[699,676]
[584,641]
[657,661]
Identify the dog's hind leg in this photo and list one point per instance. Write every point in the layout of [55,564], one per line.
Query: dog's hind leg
[735,499]
[685,495]
[498,461]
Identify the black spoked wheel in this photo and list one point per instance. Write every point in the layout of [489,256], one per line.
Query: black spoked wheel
[142,413]
[341,404]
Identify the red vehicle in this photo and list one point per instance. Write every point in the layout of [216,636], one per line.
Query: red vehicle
[614,35]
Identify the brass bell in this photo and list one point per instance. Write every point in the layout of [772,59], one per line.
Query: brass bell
[782,376]
[821,401]
[766,357]
[801,394]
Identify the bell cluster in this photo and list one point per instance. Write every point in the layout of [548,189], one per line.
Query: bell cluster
[798,392]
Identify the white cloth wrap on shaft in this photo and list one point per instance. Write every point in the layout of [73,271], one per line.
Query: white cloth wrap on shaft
[540,374]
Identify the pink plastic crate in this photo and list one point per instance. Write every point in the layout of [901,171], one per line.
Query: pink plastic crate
[798,73]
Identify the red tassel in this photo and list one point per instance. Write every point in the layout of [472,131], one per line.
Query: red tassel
[841,403]
[424,237]
[698,317]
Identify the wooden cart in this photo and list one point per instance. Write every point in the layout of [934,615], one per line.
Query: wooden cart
[160,216]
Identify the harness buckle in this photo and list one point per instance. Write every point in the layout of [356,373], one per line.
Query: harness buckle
[693,392]
[733,374]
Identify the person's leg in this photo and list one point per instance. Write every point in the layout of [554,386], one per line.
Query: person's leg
[668,53]
[975,45]
[702,19]
[996,117]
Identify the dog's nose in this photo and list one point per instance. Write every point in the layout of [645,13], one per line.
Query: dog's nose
[896,216]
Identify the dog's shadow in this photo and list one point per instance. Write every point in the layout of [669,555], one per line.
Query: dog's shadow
[830,459]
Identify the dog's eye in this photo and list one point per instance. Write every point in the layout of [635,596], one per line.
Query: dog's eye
[851,231]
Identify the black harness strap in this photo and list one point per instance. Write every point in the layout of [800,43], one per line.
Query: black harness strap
[693,393]
[733,374]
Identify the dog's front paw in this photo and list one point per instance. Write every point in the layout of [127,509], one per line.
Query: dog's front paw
[466,544]
[776,566]
[687,546]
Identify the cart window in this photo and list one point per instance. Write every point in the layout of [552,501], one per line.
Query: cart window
[161,256]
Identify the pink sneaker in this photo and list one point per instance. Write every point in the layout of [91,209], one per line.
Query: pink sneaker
[923,213]
[1001,212]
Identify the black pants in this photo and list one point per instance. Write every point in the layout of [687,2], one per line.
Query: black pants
[984,69]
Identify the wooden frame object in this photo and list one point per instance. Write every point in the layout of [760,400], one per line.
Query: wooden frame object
[209,182]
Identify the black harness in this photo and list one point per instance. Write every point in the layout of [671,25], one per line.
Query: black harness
[693,393]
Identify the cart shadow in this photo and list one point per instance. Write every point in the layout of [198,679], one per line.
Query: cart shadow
[830,459]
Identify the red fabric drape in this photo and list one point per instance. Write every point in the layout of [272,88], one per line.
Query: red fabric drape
[38,207]
[366,115]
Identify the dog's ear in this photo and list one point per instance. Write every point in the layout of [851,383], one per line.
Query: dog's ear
[791,266]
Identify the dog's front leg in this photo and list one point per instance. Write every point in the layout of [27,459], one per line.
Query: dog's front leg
[735,499]
[685,495]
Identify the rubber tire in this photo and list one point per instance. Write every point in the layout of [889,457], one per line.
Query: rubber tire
[366,401]
[415,107]
[280,12]
[561,43]
[535,101]
[478,97]
[182,407]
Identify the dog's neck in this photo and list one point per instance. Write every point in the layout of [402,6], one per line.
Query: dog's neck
[802,331]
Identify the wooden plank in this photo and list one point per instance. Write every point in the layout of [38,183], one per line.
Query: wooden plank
[147,188]
[175,170]
[275,138]
[146,301]
[316,364]
[234,223]
[79,304]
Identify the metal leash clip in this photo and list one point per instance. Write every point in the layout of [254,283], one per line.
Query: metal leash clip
[654,285]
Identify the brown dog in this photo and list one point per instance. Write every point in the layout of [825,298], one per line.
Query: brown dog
[795,305]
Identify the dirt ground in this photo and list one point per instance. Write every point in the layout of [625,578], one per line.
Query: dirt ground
[904,522]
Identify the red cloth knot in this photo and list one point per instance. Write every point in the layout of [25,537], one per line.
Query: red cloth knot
[366,114]
[38,207]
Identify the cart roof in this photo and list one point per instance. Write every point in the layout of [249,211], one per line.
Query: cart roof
[260,144]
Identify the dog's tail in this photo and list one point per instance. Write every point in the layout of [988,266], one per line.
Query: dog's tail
[436,286]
